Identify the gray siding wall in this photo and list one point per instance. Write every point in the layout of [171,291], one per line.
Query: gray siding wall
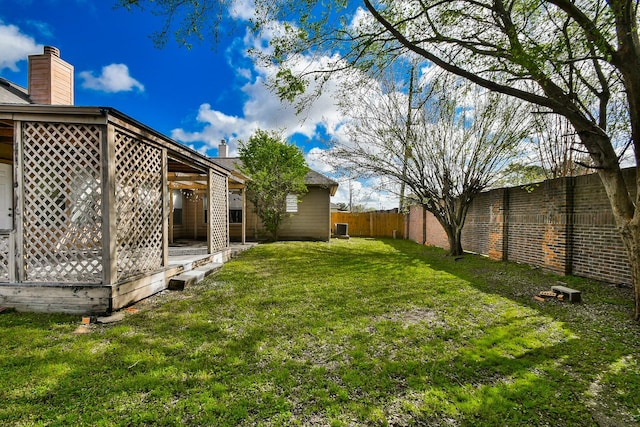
[311,222]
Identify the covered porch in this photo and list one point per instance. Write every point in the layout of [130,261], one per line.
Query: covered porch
[87,208]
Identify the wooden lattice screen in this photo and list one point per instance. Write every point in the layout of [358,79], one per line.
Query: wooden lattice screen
[138,206]
[62,202]
[5,259]
[219,212]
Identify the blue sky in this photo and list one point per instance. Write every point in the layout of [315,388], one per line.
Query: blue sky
[160,87]
[196,96]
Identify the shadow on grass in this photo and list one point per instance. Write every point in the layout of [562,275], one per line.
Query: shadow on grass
[483,351]
[361,333]
[593,368]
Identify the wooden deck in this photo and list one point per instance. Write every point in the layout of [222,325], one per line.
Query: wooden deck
[182,258]
[78,298]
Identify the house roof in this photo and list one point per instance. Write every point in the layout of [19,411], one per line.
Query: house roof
[231,163]
[11,93]
[312,178]
[315,178]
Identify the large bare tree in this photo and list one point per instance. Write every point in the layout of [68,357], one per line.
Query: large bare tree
[444,145]
[581,56]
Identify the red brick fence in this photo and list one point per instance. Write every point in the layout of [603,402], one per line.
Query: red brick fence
[563,225]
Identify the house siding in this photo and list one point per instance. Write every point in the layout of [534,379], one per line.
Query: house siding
[193,225]
[311,222]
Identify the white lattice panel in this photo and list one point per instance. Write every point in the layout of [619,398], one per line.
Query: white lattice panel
[219,212]
[5,241]
[138,206]
[62,181]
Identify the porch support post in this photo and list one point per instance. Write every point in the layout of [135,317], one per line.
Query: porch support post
[109,214]
[18,202]
[243,191]
[210,199]
[170,190]
[226,211]
[166,209]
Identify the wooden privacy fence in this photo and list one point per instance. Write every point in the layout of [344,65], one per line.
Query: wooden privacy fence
[371,224]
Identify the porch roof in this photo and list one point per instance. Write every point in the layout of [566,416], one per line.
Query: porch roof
[103,116]
[11,93]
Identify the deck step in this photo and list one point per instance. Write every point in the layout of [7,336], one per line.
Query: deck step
[191,277]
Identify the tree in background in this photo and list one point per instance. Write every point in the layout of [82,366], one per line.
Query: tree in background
[519,173]
[555,152]
[276,170]
[558,147]
[444,145]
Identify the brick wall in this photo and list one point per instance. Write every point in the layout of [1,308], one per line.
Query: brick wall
[537,224]
[597,249]
[563,225]
[435,233]
[478,220]
[414,224]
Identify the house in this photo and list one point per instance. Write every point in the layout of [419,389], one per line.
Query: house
[310,218]
[91,200]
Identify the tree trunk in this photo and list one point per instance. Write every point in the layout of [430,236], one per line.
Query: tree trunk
[631,238]
[627,219]
[452,221]
[424,225]
[625,212]
[454,236]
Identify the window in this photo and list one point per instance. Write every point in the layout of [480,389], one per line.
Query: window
[177,207]
[235,208]
[205,204]
[292,203]
[235,216]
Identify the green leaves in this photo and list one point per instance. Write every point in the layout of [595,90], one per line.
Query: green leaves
[289,86]
[276,169]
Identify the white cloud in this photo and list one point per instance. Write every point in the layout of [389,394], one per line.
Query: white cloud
[114,78]
[217,126]
[316,161]
[242,9]
[263,109]
[362,19]
[364,193]
[244,73]
[15,46]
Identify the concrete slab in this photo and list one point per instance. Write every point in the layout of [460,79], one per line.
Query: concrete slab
[569,294]
[116,317]
[188,278]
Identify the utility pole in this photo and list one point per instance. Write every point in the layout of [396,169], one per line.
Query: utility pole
[407,139]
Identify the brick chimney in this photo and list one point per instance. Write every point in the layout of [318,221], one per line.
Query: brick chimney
[50,78]
[223,149]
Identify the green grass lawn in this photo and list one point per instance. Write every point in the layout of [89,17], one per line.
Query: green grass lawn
[346,333]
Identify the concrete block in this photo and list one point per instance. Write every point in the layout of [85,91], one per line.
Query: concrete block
[188,278]
[569,294]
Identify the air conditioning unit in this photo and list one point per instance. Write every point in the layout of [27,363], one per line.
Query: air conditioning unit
[342,231]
